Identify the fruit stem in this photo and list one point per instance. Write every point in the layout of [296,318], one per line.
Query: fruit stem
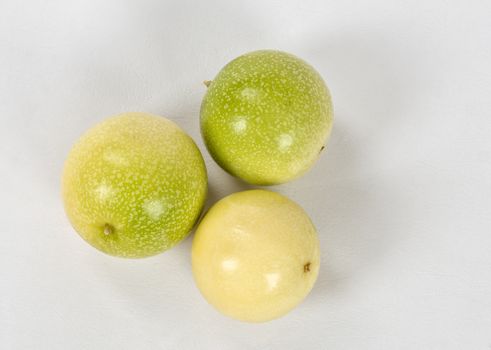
[108,229]
[207,83]
[306,267]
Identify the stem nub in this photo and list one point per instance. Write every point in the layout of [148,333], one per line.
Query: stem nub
[108,229]
[306,267]
[207,83]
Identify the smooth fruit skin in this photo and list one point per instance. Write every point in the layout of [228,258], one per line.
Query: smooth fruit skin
[266,116]
[255,255]
[134,185]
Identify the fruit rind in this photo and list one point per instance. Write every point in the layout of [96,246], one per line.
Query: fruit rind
[134,185]
[265,117]
[249,255]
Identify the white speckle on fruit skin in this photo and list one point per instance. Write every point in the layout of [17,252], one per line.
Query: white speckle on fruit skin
[240,125]
[284,142]
[229,264]
[288,113]
[104,191]
[116,158]
[249,93]
[272,280]
[154,208]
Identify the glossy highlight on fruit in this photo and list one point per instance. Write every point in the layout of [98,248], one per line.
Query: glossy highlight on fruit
[255,255]
[266,117]
[134,185]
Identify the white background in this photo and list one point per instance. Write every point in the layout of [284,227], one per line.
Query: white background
[401,197]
